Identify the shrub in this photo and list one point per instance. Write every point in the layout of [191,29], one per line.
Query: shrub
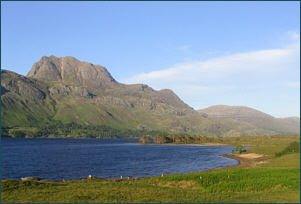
[293,147]
[19,134]
[239,149]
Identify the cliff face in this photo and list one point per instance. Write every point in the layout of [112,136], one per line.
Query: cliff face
[66,90]
[69,70]
[15,83]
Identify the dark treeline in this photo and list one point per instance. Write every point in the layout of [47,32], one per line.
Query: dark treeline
[73,130]
[174,138]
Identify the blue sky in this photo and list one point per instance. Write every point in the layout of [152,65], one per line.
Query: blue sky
[232,53]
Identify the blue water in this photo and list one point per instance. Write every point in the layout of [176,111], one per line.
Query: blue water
[69,159]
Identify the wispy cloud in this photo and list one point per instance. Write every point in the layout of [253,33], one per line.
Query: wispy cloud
[238,71]
[265,64]
[184,48]
[294,85]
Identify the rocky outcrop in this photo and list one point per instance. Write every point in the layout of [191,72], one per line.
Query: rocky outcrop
[31,179]
[66,90]
[155,105]
[142,127]
[30,91]
[46,69]
[175,126]
[114,101]
[13,82]
[3,90]
[70,71]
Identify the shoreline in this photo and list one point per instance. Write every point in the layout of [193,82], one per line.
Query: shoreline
[204,144]
[243,161]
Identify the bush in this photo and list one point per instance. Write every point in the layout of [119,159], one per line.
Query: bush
[145,139]
[4,132]
[239,149]
[19,134]
[293,147]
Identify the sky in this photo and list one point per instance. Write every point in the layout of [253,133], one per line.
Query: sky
[208,52]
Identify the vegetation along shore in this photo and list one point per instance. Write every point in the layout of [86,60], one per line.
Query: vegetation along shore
[268,173]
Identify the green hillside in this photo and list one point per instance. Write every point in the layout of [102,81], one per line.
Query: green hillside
[70,91]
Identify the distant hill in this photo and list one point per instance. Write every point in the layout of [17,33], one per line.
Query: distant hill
[291,119]
[68,90]
[246,115]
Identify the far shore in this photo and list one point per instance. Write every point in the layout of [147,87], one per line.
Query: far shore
[203,144]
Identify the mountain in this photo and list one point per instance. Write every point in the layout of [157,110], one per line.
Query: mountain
[69,70]
[291,119]
[253,118]
[68,90]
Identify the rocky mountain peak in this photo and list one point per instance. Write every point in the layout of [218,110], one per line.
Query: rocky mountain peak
[69,70]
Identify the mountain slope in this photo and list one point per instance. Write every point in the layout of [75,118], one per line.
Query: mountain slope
[24,101]
[68,90]
[84,93]
[253,117]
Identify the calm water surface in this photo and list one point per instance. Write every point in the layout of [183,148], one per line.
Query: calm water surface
[69,159]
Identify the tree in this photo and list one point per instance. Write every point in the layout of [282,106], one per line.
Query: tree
[205,139]
[19,134]
[4,132]
[145,139]
[163,139]
[160,138]
[239,149]
[179,138]
[187,138]
[172,138]
[156,138]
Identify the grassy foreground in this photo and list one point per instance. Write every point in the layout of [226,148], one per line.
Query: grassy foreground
[261,177]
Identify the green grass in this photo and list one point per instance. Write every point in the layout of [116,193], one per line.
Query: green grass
[272,180]
[236,180]
[242,186]
[287,161]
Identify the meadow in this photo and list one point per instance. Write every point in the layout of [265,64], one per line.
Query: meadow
[263,176]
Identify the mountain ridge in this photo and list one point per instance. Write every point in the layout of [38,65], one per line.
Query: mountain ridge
[253,117]
[68,90]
